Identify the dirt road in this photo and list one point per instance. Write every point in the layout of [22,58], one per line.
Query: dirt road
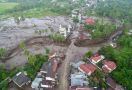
[63,85]
[72,51]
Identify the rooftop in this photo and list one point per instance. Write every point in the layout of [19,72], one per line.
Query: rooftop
[96,58]
[87,68]
[90,21]
[109,66]
[21,79]
[50,68]
[79,79]
[112,83]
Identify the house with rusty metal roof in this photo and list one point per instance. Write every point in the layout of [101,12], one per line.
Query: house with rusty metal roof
[47,77]
[96,58]
[108,66]
[88,69]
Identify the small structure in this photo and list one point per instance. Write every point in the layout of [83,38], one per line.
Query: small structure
[56,55]
[47,77]
[79,79]
[130,32]
[84,19]
[96,58]
[113,84]
[75,13]
[76,65]
[108,66]
[90,3]
[114,45]
[88,69]
[65,31]
[43,82]
[21,79]
[90,21]
[52,55]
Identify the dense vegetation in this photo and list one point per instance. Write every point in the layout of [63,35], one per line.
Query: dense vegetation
[121,9]
[39,8]
[123,58]
[100,30]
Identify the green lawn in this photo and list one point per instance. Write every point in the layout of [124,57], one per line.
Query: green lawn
[6,6]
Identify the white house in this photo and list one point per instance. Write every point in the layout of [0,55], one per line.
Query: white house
[75,13]
[65,31]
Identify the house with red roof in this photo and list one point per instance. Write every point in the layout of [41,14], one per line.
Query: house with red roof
[90,21]
[109,66]
[96,58]
[87,68]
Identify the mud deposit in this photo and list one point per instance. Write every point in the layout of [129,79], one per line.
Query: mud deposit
[11,33]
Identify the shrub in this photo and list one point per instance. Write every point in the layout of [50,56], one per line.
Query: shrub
[35,65]
[57,38]
[4,85]
[88,54]
[2,52]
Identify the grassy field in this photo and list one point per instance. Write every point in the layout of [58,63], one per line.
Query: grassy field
[32,13]
[6,6]
[38,13]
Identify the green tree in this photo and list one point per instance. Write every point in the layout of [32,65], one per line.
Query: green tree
[88,54]
[75,20]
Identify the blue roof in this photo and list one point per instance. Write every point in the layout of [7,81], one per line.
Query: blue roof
[76,82]
[79,79]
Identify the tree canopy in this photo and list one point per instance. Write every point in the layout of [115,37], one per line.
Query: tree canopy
[123,58]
